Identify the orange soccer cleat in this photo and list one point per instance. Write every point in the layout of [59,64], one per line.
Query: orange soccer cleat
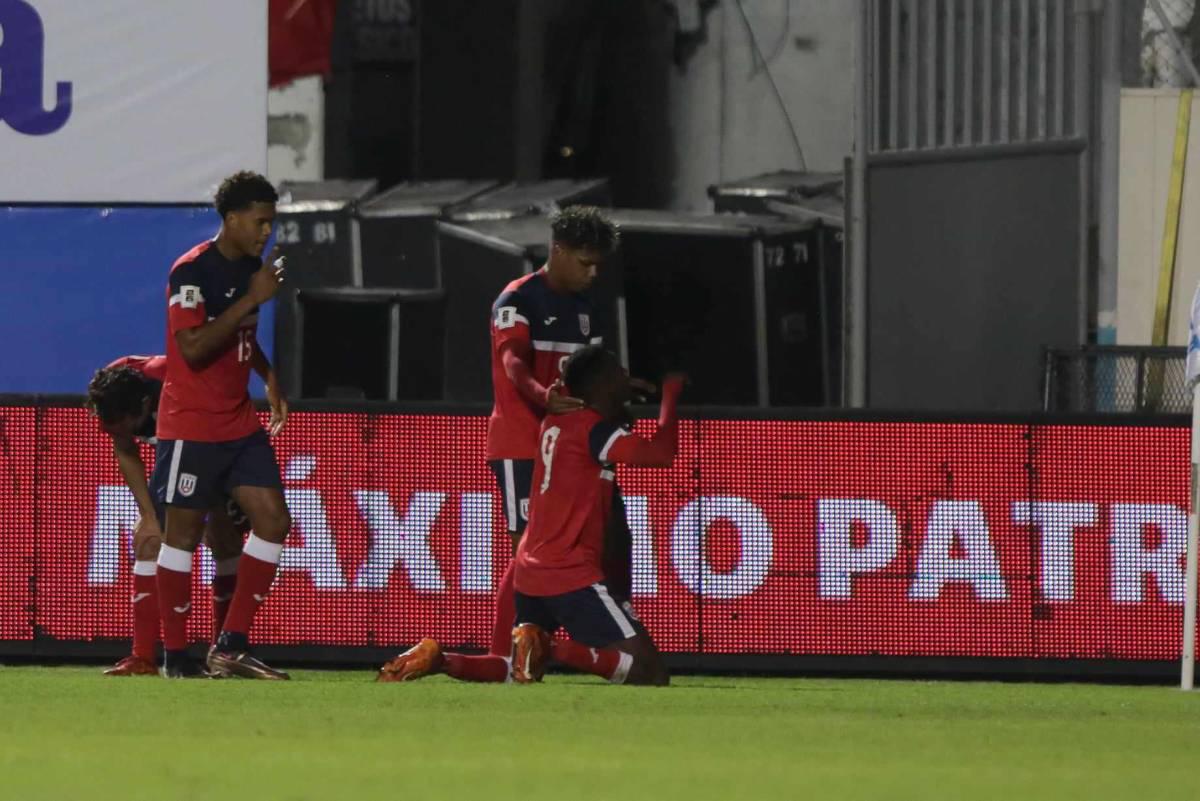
[417,662]
[531,651]
[133,666]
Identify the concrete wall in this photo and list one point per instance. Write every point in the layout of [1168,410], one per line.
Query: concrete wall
[725,120]
[1147,141]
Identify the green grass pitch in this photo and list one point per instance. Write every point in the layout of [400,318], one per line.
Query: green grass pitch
[70,733]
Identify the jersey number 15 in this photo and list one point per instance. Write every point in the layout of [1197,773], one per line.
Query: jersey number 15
[245,344]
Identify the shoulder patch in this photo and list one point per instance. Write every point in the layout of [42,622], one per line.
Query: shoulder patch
[507,317]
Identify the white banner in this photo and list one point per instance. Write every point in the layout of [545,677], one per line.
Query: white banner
[139,101]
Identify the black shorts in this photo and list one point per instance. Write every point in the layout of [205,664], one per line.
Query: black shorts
[515,476]
[591,616]
[201,475]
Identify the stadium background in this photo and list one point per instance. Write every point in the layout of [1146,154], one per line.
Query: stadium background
[747,555]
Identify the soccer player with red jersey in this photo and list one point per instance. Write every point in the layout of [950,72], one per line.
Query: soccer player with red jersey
[559,575]
[537,321]
[209,440]
[124,398]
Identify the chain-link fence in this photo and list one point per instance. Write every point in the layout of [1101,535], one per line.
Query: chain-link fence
[1128,380]
[1168,40]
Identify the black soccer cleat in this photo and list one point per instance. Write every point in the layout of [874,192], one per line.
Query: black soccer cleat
[178,665]
[231,656]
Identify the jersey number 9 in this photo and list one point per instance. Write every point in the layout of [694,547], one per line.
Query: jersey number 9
[549,440]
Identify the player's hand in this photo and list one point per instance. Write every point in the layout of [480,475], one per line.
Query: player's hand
[558,402]
[267,279]
[279,407]
[642,388]
[146,528]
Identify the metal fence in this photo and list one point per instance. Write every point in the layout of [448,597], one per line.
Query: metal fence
[1163,55]
[1117,379]
[961,73]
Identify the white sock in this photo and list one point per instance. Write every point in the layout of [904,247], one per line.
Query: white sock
[262,550]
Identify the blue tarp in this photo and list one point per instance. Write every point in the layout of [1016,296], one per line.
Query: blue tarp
[80,286]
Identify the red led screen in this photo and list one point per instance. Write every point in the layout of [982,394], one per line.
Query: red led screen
[766,537]
[17,451]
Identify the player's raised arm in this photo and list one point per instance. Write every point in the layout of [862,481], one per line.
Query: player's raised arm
[200,340]
[611,443]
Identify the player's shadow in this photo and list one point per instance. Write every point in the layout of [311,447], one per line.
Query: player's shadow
[581,681]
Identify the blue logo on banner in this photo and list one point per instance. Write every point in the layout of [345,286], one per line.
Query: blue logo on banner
[22,65]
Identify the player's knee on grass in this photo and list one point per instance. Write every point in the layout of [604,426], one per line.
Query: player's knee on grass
[648,667]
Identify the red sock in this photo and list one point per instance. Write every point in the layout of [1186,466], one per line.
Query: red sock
[256,573]
[606,662]
[504,615]
[488,668]
[174,595]
[145,609]
[223,585]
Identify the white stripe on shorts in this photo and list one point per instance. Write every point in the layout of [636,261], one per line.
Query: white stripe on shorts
[618,616]
[510,496]
[173,474]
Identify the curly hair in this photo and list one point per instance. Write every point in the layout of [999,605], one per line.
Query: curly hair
[115,393]
[585,367]
[242,189]
[585,228]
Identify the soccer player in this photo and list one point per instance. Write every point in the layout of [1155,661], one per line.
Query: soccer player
[209,440]
[124,398]
[559,576]
[559,571]
[537,321]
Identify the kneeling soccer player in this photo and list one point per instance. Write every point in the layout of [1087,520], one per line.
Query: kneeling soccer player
[558,577]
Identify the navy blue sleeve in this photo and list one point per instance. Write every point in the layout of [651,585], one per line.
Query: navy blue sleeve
[601,439]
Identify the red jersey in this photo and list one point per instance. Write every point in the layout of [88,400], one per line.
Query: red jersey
[153,368]
[211,404]
[545,327]
[571,495]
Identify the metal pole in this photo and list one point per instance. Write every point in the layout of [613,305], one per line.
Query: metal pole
[1108,157]
[762,345]
[893,139]
[857,296]
[986,90]
[930,45]
[969,73]
[949,111]
[1082,127]
[913,61]
[1188,657]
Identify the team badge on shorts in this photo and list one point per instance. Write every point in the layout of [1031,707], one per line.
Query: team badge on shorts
[585,324]
[525,508]
[187,484]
